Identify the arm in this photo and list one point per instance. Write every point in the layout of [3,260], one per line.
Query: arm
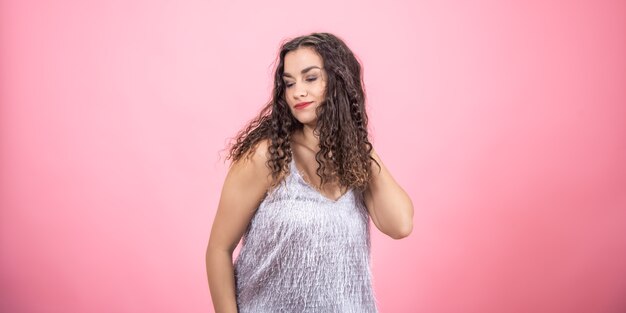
[244,187]
[388,204]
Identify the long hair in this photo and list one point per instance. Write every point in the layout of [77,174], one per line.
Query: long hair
[341,118]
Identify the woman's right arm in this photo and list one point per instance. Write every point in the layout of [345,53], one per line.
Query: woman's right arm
[244,188]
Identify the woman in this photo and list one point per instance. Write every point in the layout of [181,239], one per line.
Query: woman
[303,183]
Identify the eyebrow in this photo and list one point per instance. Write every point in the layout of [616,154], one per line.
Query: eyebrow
[303,71]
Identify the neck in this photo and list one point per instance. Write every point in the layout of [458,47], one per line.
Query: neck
[309,138]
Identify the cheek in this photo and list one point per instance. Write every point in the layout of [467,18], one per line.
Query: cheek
[286,96]
[323,89]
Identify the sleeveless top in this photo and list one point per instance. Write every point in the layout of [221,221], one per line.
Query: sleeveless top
[304,252]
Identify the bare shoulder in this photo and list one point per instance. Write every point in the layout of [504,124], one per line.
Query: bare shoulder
[244,188]
[251,171]
[260,152]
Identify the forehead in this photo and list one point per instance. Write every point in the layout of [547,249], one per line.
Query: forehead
[300,59]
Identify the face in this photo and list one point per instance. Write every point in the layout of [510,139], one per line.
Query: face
[305,83]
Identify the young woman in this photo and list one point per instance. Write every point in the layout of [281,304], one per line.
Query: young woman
[303,183]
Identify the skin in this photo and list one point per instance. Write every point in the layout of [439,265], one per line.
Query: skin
[390,208]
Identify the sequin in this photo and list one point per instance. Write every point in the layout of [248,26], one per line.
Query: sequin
[304,252]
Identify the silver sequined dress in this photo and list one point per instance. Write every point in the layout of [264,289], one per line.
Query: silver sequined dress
[304,252]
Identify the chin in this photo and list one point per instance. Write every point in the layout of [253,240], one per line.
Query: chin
[306,118]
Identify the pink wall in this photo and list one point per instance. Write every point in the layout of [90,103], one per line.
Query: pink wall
[504,120]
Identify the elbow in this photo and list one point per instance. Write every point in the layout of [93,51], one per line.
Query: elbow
[402,232]
[405,227]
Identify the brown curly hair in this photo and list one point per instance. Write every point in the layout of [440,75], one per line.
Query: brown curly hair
[341,124]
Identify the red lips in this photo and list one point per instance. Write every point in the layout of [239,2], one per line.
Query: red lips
[302,105]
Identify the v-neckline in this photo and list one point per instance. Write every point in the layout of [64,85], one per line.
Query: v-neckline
[297,172]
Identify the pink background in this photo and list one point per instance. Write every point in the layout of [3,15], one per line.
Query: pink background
[504,120]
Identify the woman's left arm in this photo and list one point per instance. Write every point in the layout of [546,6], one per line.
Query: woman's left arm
[388,204]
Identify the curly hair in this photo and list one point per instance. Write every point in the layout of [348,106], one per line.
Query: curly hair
[341,119]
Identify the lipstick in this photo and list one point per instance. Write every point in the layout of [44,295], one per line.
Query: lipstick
[302,105]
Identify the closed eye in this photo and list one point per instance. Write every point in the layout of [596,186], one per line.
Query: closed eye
[310,79]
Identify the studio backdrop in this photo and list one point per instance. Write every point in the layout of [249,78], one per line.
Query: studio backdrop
[505,121]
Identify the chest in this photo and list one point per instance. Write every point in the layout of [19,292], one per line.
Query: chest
[294,208]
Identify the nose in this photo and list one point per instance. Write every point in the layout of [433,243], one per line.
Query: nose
[300,91]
